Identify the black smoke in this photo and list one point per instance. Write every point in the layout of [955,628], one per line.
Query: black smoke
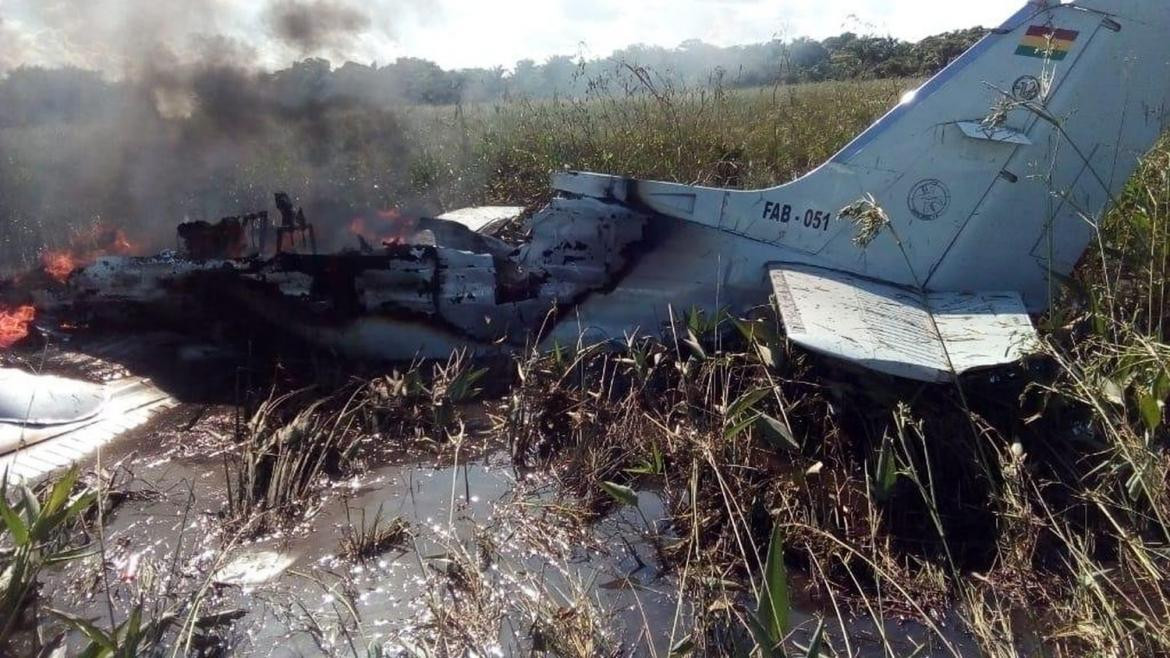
[189,142]
[184,123]
[313,26]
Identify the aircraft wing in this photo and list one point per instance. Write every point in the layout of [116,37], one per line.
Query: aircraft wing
[930,336]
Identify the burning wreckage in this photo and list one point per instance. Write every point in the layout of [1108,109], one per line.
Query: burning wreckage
[978,192]
[436,285]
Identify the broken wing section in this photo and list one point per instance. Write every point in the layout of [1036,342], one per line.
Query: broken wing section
[900,331]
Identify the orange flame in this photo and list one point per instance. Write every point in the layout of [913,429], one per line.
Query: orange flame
[84,249]
[385,227]
[121,245]
[58,263]
[14,325]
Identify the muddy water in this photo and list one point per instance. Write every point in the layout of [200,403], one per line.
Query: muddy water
[299,597]
[451,509]
[491,555]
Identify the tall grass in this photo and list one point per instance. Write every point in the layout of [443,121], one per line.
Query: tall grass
[637,124]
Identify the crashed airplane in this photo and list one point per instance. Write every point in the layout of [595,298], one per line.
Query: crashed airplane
[977,193]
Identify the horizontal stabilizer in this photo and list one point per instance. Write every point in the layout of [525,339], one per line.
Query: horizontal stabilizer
[900,331]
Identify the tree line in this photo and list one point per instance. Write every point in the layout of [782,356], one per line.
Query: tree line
[34,95]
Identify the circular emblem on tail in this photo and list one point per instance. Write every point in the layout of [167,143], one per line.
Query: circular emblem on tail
[929,199]
[1026,88]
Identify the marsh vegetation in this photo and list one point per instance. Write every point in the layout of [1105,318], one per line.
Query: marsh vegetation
[805,509]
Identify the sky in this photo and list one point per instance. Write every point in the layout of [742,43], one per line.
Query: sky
[115,36]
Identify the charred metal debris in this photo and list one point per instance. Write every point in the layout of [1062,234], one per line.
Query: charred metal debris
[436,283]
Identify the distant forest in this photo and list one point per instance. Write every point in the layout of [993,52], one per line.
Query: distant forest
[30,96]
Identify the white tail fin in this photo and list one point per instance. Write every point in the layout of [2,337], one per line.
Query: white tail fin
[1001,165]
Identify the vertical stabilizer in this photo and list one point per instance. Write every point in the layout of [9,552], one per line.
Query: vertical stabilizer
[996,172]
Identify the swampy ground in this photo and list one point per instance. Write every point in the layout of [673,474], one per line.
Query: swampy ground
[715,491]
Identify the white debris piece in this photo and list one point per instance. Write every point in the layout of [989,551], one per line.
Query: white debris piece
[480,217]
[254,568]
[40,400]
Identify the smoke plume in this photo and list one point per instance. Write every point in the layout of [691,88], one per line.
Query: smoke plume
[313,26]
[184,123]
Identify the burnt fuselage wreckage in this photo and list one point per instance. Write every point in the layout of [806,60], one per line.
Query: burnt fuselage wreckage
[439,284]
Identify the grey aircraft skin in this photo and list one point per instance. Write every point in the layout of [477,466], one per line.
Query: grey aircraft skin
[984,187]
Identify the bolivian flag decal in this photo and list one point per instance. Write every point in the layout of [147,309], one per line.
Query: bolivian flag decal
[1047,42]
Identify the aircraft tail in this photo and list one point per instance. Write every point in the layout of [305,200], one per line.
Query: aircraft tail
[995,172]
[993,176]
